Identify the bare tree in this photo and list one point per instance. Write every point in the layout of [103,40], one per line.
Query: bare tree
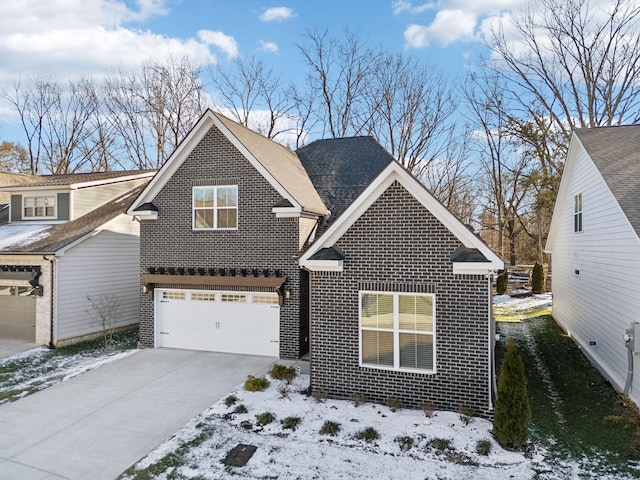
[506,170]
[153,108]
[255,96]
[573,62]
[105,312]
[342,69]
[411,105]
[56,122]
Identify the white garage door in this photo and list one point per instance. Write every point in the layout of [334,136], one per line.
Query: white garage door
[231,322]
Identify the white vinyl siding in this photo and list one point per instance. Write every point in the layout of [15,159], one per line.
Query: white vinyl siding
[397,331]
[106,263]
[595,274]
[89,198]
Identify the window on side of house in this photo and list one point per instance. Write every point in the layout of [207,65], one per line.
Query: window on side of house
[577,213]
[215,208]
[397,331]
[39,206]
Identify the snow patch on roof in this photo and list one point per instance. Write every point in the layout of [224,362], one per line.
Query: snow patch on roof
[21,233]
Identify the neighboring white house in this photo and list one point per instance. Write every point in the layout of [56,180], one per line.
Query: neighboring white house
[64,238]
[595,249]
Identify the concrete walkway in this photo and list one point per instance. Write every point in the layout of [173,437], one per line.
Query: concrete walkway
[9,347]
[97,424]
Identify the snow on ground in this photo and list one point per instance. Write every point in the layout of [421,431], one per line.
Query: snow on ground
[305,454]
[520,304]
[41,368]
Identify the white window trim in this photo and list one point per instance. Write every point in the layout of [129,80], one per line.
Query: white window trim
[37,217]
[215,208]
[396,333]
[577,213]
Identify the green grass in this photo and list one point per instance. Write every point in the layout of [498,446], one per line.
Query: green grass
[570,401]
[25,375]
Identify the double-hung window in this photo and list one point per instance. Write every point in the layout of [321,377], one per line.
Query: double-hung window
[397,331]
[39,207]
[577,213]
[215,208]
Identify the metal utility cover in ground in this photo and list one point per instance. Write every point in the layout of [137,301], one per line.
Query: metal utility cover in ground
[240,455]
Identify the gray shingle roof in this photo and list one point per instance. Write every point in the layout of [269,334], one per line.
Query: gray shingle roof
[341,168]
[60,235]
[616,153]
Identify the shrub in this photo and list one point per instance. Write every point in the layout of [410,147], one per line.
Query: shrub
[441,444]
[253,384]
[512,411]
[483,447]
[319,394]
[290,422]
[265,418]
[394,403]
[405,443]
[280,372]
[502,283]
[466,415]
[283,390]
[240,409]
[330,428]
[537,279]
[230,400]
[357,399]
[428,408]
[369,434]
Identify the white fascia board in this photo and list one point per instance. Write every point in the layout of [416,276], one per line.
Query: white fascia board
[107,181]
[574,148]
[390,174]
[476,268]
[256,163]
[172,164]
[286,212]
[322,265]
[146,215]
[181,153]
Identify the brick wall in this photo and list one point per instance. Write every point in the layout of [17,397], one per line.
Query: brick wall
[261,241]
[397,245]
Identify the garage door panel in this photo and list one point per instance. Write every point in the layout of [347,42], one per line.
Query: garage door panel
[17,314]
[218,321]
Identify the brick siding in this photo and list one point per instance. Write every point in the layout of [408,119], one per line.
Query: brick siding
[397,245]
[261,241]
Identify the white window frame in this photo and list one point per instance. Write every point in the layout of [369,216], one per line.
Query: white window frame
[35,200]
[396,332]
[215,207]
[577,213]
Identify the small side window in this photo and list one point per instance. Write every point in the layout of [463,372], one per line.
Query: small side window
[577,213]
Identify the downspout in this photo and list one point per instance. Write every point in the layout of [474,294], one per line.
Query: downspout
[629,341]
[493,386]
[51,264]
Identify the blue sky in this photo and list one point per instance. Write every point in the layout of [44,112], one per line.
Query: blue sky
[69,38]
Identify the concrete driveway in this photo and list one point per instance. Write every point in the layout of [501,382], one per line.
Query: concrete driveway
[96,425]
[9,347]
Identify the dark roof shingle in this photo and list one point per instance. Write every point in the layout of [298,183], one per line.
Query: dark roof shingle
[616,153]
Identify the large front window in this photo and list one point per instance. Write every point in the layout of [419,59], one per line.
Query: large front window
[39,207]
[397,331]
[215,208]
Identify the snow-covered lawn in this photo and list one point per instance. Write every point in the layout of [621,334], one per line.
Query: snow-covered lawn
[40,368]
[304,453]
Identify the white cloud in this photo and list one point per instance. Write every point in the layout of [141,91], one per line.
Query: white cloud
[224,42]
[448,26]
[277,14]
[270,47]
[400,6]
[65,39]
